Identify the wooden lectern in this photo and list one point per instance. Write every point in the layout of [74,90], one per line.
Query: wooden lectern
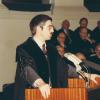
[58,94]
[76,91]
[80,83]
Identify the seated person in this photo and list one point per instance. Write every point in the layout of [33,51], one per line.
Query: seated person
[83,44]
[92,67]
[66,29]
[96,57]
[70,68]
[62,67]
[82,65]
[83,24]
[96,33]
[61,40]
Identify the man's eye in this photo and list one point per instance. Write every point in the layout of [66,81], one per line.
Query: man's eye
[50,27]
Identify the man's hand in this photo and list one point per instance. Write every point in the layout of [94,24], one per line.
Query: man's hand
[45,90]
[93,77]
[43,87]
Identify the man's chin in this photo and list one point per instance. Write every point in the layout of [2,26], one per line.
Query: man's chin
[48,38]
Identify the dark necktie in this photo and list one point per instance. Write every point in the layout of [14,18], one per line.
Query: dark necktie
[44,49]
[45,52]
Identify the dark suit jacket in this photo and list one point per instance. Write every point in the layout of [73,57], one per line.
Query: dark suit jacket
[77,30]
[96,35]
[32,64]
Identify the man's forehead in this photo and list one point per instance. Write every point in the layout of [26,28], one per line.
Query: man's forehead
[48,23]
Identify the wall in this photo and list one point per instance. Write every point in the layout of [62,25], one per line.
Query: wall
[69,2]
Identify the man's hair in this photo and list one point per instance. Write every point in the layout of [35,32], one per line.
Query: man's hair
[98,21]
[64,21]
[38,20]
[83,19]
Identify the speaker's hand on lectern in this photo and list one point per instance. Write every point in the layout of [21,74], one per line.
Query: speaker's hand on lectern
[45,90]
[43,87]
[93,77]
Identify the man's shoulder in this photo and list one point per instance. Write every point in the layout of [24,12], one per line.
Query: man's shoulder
[25,43]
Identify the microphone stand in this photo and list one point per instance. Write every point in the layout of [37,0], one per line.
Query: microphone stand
[87,79]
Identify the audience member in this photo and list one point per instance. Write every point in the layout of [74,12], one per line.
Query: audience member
[83,24]
[83,44]
[96,33]
[66,29]
[91,66]
[96,57]
[61,40]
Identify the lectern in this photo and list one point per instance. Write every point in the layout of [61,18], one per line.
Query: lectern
[76,91]
[58,94]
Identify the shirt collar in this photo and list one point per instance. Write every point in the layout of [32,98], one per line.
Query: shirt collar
[39,42]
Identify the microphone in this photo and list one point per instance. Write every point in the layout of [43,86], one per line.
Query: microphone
[71,57]
[78,64]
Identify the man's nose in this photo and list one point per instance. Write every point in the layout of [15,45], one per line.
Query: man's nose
[52,30]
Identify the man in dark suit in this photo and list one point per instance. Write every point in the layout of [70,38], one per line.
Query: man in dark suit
[83,44]
[37,65]
[68,32]
[96,33]
[96,57]
[83,24]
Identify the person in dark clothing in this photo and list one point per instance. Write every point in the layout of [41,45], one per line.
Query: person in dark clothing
[65,28]
[83,24]
[82,67]
[61,40]
[96,33]
[62,66]
[83,44]
[93,68]
[37,59]
[96,57]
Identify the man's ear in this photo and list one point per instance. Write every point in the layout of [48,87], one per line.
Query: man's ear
[38,28]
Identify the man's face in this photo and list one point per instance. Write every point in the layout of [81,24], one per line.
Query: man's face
[47,30]
[83,34]
[66,25]
[83,23]
[60,50]
[97,50]
[61,38]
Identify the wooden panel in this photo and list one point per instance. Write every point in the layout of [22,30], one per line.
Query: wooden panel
[58,94]
[76,83]
[80,83]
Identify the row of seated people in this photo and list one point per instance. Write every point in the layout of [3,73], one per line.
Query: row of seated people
[87,50]
[81,40]
[94,34]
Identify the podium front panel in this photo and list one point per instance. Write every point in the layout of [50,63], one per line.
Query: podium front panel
[58,94]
